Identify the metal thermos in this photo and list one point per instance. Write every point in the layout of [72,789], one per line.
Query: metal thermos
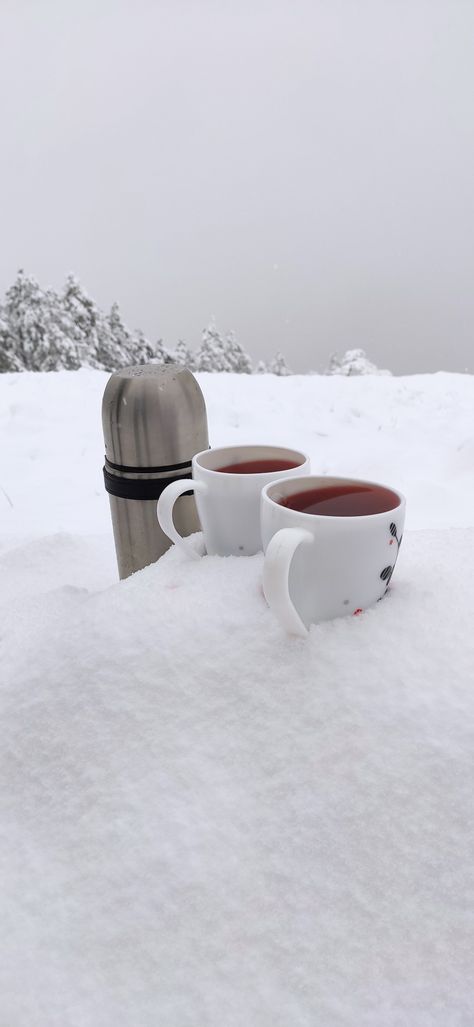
[154,420]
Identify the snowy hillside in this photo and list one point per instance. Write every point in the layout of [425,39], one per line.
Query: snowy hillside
[206,823]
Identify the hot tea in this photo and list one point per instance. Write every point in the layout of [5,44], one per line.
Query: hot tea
[258,467]
[344,500]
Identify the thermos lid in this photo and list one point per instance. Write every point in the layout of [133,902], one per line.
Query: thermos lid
[154,417]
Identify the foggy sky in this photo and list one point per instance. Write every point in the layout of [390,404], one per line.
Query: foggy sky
[300,170]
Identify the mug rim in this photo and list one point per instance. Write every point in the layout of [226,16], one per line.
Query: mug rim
[305,479]
[249,447]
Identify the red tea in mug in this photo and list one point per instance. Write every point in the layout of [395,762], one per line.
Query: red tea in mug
[258,467]
[343,500]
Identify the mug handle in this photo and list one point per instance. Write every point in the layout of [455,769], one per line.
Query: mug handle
[276,568]
[164,511]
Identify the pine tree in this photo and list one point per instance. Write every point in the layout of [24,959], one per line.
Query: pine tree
[354,362]
[278,365]
[26,318]
[261,368]
[145,351]
[212,354]
[119,337]
[105,341]
[88,329]
[218,354]
[62,350]
[38,332]
[9,361]
[185,356]
[125,348]
[239,360]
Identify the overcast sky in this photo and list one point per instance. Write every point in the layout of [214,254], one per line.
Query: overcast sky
[303,171]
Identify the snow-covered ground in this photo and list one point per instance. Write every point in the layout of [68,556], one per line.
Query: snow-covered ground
[207,823]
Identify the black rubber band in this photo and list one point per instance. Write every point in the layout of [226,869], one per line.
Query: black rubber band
[138,488]
[147,470]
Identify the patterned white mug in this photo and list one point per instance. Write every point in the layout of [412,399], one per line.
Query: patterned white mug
[228,501]
[318,566]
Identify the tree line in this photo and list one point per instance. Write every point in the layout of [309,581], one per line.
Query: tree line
[46,330]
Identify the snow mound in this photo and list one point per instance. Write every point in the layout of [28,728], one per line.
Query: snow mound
[210,823]
[354,362]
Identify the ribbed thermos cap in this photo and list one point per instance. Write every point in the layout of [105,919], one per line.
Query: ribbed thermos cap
[153,416]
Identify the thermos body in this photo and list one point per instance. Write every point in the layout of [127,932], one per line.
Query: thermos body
[154,421]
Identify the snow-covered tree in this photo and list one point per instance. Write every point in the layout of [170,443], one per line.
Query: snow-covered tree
[261,368]
[159,354]
[163,354]
[37,336]
[90,332]
[61,350]
[143,351]
[26,316]
[239,360]
[212,354]
[218,354]
[42,330]
[353,362]
[125,348]
[104,341]
[278,365]
[185,356]
[119,338]
[9,361]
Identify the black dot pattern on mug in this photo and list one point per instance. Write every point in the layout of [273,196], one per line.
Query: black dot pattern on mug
[387,571]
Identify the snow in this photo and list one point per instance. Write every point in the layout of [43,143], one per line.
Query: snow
[205,822]
[415,433]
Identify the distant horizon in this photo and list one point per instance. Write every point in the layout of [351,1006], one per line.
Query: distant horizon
[170,346]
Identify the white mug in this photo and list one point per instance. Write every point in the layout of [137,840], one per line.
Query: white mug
[319,566]
[228,502]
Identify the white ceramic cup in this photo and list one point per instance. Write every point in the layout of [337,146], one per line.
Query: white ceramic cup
[318,567]
[228,503]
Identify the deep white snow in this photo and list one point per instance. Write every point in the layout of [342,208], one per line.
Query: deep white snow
[205,823]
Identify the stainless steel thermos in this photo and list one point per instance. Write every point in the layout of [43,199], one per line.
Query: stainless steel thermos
[154,421]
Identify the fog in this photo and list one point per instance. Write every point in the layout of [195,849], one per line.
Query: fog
[300,171]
